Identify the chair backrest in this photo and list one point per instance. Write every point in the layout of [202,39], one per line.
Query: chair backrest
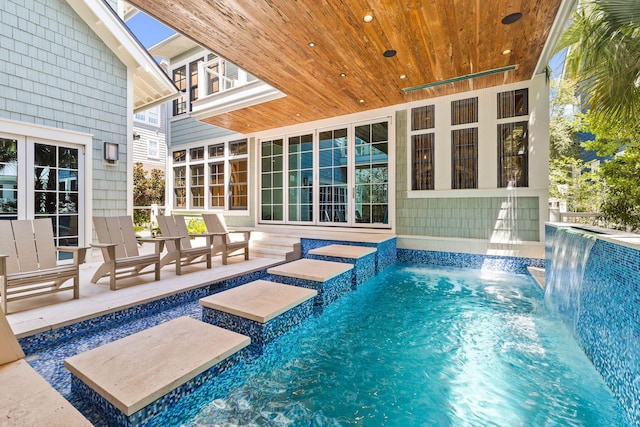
[174,226]
[215,223]
[118,230]
[29,243]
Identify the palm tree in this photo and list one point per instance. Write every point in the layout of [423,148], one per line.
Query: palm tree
[603,44]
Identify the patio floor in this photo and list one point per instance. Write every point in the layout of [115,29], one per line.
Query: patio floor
[37,314]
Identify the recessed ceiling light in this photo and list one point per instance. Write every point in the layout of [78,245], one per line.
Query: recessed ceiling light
[361,101]
[511,18]
[297,114]
[506,51]
[367,18]
[343,74]
[402,76]
[311,44]
[390,53]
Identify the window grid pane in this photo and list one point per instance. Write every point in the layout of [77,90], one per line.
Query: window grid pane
[333,176]
[423,152]
[238,184]
[197,186]
[180,187]
[423,117]
[180,80]
[464,111]
[464,155]
[513,103]
[272,202]
[9,176]
[216,184]
[513,157]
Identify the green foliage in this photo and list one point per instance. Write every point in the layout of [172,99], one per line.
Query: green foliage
[146,191]
[622,204]
[584,188]
[196,226]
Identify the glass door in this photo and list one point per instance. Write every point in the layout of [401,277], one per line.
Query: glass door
[300,167]
[371,205]
[333,175]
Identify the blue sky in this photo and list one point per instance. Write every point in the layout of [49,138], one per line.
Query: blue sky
[148,30]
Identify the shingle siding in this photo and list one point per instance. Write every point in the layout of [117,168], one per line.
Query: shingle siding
[55,71]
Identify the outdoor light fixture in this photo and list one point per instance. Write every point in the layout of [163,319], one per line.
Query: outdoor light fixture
[110,152]
[389,53]
[367,18]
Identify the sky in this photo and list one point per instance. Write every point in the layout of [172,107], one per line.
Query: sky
[148,30]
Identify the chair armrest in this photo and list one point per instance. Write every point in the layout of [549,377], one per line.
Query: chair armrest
[208,236]
[245,231]
[159,241]
[110,250]
[3,264]
[79,252]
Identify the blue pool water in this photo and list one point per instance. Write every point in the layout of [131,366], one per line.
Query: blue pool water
[416,346]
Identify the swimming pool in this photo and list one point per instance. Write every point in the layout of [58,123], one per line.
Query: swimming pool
[416,345]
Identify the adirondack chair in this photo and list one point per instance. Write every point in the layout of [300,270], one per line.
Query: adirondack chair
[223,242]
[180,251]
[117,240]
[29,264]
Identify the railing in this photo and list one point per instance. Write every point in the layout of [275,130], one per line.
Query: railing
[218,75]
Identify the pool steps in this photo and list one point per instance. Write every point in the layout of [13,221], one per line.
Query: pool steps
[132,380]
[261,309]
[330,279]
[363,259]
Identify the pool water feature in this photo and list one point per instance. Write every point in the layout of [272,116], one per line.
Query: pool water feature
[416,345]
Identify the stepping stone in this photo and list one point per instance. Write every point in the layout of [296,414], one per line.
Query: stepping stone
[330,279]
[363,259]
[261,309]
[133,379]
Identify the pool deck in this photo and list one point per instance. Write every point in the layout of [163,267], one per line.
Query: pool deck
[38,314]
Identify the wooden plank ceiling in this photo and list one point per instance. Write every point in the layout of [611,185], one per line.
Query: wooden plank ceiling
[435,40]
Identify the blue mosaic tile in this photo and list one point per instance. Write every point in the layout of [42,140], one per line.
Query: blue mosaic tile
[260,333]
[328,291]
[159,412]
[364,268]
[602,307]
[514,265]
[385,251]
[240,280]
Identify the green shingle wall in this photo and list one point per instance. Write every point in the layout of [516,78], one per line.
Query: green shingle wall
[476,218]
[54,71]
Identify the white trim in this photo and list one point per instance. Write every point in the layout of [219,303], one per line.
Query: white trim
[471,246]
[45,132]
[476,192]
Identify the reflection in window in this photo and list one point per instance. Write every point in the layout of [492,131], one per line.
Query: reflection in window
[197,186]
[423,117]
[272,184]
[464,111]
[301,178]
[180,187]
[423,161]
[513,103]
[238,184]
[216,184]
[333,176]
[513,158]
[8,178]
[372,173]
[464,156]
[180,80]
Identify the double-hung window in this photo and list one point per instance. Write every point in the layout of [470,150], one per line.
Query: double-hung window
[423,125]
[513,139]
[464,143]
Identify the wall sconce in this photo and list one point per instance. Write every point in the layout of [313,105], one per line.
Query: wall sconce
[110,152]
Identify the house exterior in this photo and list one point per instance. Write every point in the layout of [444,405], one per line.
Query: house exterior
[73,77]
[466,172]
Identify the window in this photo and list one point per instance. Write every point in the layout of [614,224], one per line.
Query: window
[464,111]
[193,81]
[238,185]
[197,186]
[150,116]
[464,156]
[423,124]
[514,103]
[153,149]
[272,182]
[8,178]
[513,155]
[180,187]
[180,80]
[216,184]
[300,165]
[334,176]
[216,179]
[423,150]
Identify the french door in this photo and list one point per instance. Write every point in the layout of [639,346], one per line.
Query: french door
[331,177]
[43,179]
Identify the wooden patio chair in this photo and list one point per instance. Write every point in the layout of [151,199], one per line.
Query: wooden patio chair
[29,261]
[180,251]
[223,242]
[119,245]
